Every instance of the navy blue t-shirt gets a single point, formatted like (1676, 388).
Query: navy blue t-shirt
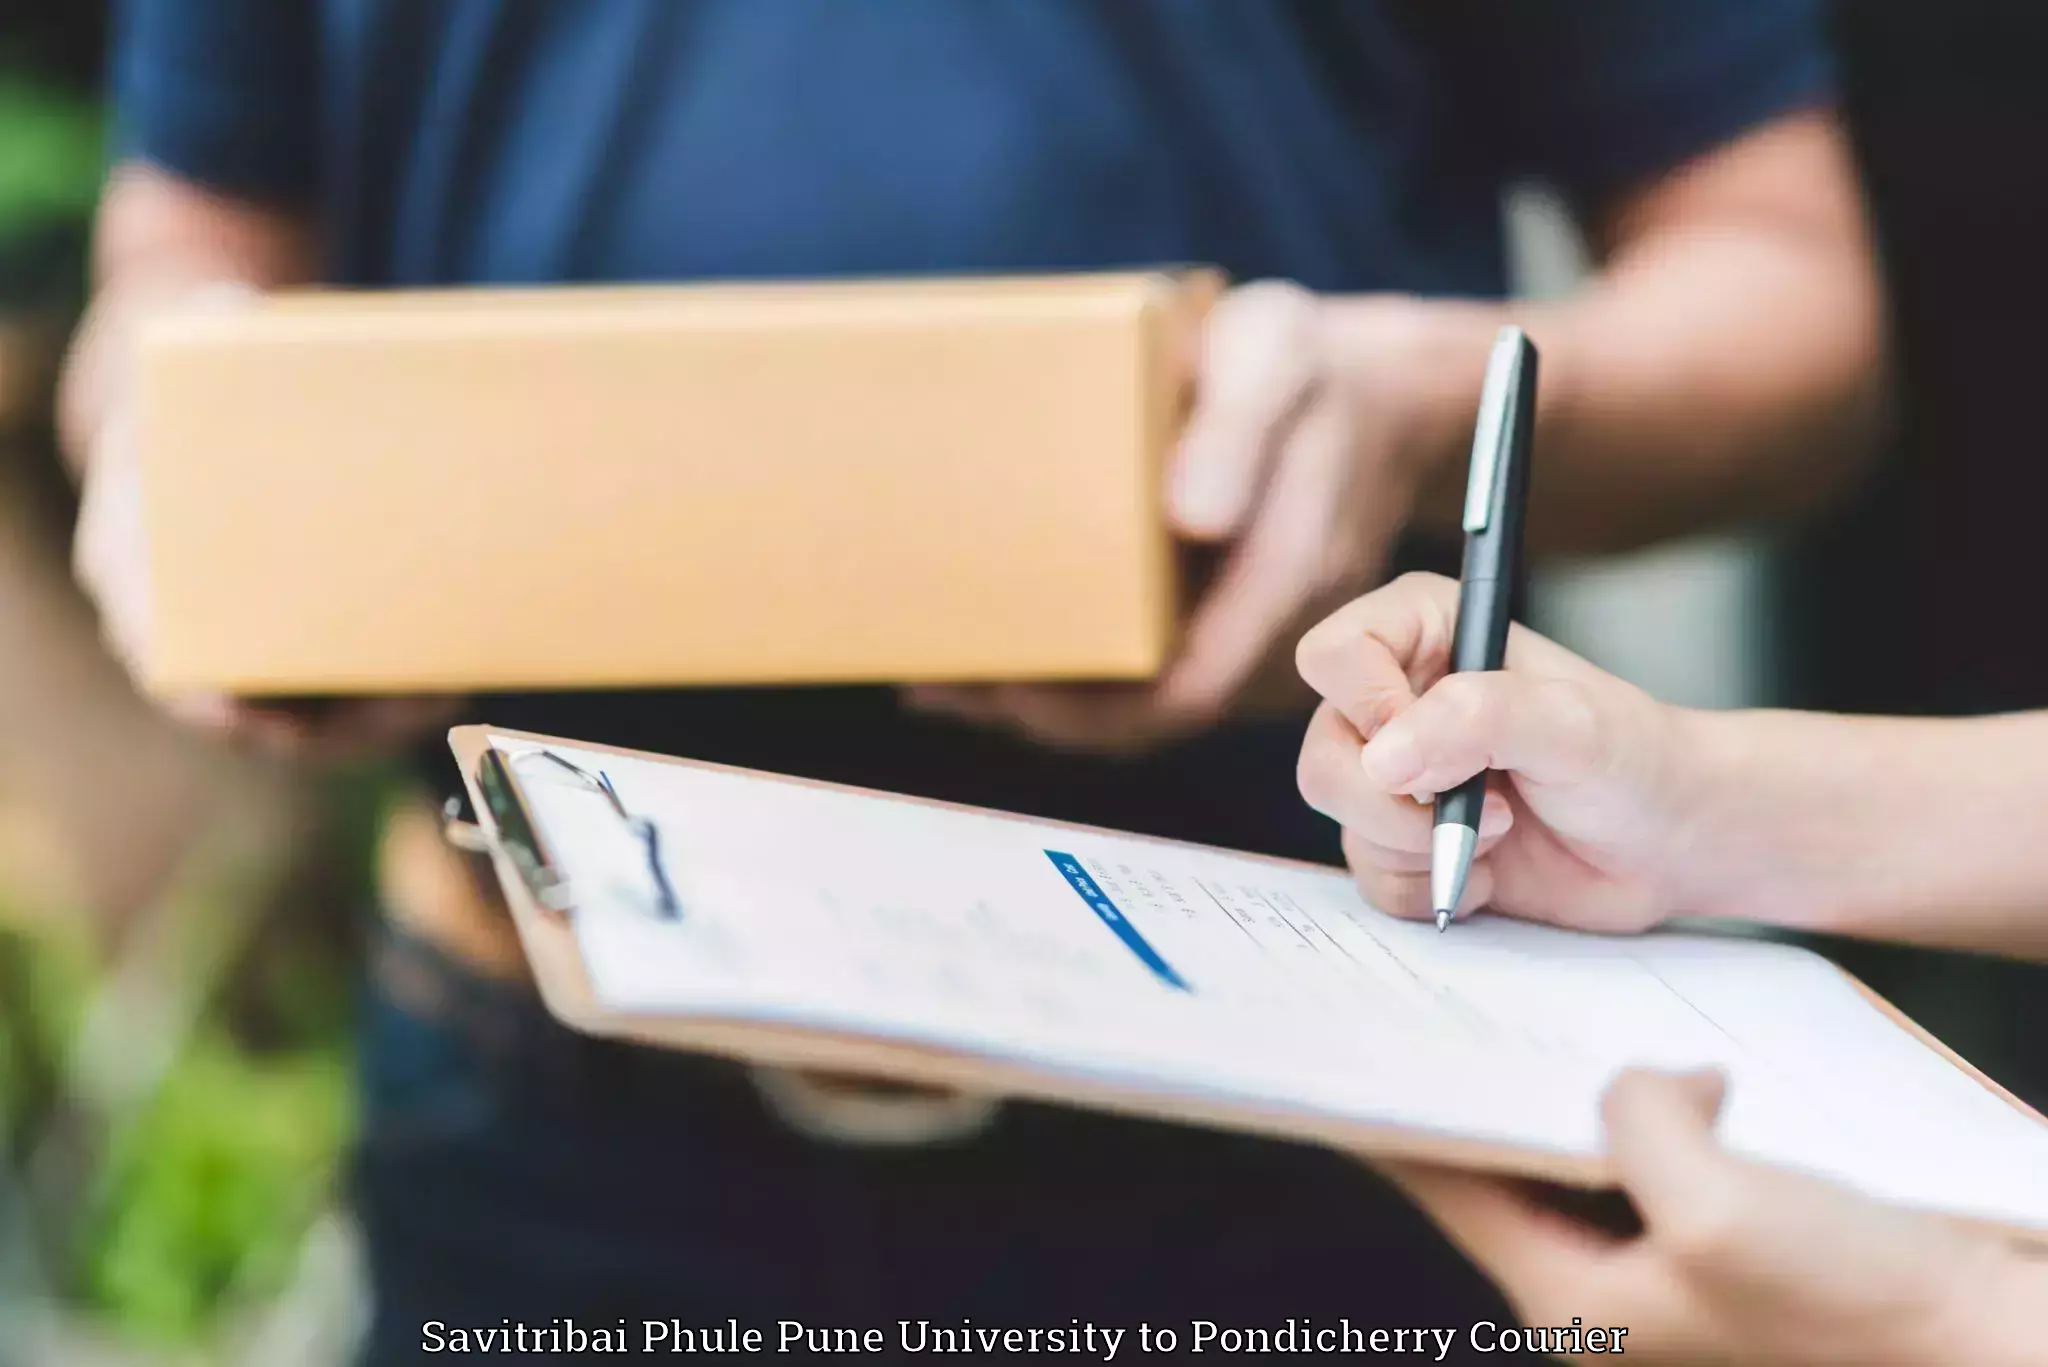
(1345, 144)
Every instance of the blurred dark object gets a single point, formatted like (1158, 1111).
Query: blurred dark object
(1901, 603)
(62, 40)
(42, 271)
(52, 67)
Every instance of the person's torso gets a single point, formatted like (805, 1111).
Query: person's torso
(532, 141)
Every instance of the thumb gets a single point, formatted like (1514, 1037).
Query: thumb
(1660, 1141)
(1549, 730)
(107, 546)
(1259, 361)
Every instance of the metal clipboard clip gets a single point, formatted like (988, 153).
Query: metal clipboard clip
(520, 843)
(832, 1109)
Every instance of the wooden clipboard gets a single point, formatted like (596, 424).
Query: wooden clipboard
(549, 942)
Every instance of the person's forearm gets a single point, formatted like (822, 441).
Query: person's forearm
(158, 240)
(1705, 380)
(1931, 832)
(1722, 366)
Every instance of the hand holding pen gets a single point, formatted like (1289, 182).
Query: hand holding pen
(1588, 822)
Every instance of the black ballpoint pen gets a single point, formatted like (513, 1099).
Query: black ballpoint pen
(1496, 502)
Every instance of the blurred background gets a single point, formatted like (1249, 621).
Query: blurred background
(176, 921)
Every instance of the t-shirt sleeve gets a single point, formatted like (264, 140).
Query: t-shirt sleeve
(221, 92)
(1597, 96)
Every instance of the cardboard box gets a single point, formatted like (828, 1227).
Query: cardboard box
(619, 486)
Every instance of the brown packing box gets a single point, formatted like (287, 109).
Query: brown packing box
(639, 485)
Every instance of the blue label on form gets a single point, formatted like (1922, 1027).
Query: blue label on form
(1098, 901)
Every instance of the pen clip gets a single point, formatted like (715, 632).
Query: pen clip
(1490, 433)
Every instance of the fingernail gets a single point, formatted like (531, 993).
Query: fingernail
(1391, 759)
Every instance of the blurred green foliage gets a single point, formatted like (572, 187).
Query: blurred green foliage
(52, 152)
(207, 1195)
(202, 1197)
(198, 1200)
(53, 155)
(44, 981)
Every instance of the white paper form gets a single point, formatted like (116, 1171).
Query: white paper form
(1183, 971)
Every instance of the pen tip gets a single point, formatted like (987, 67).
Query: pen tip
(1443, 921)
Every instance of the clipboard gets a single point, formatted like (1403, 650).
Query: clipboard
(542, 910)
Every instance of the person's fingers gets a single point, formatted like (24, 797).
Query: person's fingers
(315, 731)
(970, 703)
(1110, 718)
(1380, 650)
(1407, 895)
(938, 697)
(1361, 851)
(281, 733)
(359, 728)
(424, 710)
(1259, 362)
(1327, 770)
(1661, 1144)
(1332, 782)
(202, 711)
(108, 556)
(382, 721)
(1373, 655)
(1270, 576)
(107, 546)
(276, 731)
(1102, 719)
(1549, 730)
